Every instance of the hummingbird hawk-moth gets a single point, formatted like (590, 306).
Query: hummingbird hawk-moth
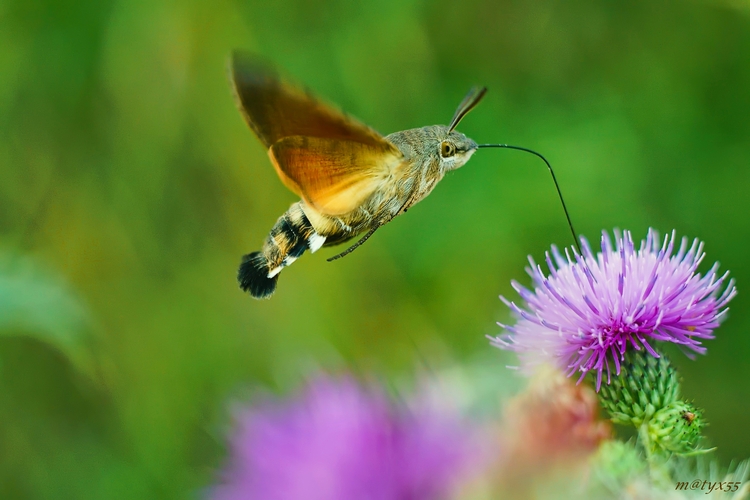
(351, 180)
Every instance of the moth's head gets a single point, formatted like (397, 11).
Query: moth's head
(454, 149)
(440, 144)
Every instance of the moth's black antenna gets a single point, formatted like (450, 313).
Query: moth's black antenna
(472, 99)
(557, 186)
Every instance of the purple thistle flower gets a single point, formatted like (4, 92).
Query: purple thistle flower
(583, 315)
(338, 442)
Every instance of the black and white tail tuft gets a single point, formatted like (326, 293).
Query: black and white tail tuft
(253, 276)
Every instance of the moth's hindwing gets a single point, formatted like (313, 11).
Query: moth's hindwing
(333, 176)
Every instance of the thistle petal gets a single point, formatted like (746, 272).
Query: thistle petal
(591, 306)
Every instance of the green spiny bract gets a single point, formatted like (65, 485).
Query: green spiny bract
(644, 385)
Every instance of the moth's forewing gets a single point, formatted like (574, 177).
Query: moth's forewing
(329, 159)
(275, 109)
(331, 175)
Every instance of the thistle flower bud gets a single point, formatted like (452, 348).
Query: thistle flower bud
(676, 427)
(643, 386)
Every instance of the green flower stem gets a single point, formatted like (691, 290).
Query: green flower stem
(657, 468)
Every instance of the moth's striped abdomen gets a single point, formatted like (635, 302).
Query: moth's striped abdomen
(289, 238)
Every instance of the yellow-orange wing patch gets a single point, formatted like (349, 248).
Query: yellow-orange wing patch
(332, 175)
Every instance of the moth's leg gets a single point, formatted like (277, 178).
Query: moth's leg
(372, 230)
(346, 227)
(357, 244)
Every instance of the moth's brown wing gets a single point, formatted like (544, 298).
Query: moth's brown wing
(275, 109)
(332, 175)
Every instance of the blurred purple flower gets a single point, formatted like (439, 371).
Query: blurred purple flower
(338, 442)
(584, 313)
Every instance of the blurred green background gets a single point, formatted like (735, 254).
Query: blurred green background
(130, 187)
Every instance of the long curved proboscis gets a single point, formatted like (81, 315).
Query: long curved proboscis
(472, 99)
(557, 186)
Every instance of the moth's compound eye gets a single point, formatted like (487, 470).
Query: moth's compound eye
(447, 149)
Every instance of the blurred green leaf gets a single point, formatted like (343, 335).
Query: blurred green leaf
(35, 303)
